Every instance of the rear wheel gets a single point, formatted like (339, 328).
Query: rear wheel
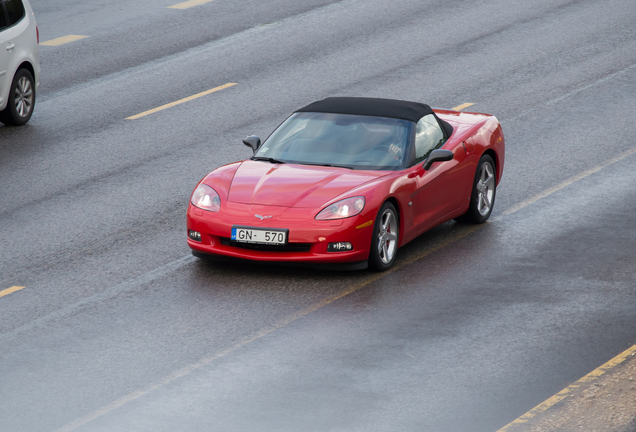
(21, 99)
(482, 198)
(384, 241)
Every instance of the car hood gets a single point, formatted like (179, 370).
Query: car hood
(290, 185)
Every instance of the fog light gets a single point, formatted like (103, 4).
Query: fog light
(339, 247)
(194, 235)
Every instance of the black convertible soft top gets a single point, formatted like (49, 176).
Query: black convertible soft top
(391, 108)
(377, 107)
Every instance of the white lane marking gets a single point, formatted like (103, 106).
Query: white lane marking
(573, 92)
(580, 176)
(104, 295)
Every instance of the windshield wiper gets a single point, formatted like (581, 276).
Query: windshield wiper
(267, 159)
(326, 165)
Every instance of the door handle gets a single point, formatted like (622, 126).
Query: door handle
(468, 146)
(10, 46)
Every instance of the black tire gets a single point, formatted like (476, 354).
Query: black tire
(482, 198)
(385, 237)
(21, 99)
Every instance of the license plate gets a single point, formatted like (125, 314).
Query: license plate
(259, 235)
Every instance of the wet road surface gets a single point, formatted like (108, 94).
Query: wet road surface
(119, 328)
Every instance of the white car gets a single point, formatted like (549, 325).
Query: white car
(19, 61)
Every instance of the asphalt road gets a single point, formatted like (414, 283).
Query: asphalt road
(120, 328)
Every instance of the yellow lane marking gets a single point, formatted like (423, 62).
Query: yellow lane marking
(10, 290)
(568, 182)
(566, 391)
(188, 4)
(180, 101)
(62, 40)
(457, 235)
(462, 106)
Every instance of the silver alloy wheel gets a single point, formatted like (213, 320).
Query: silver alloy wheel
(387, 236)
(485, 188)
(23, 97)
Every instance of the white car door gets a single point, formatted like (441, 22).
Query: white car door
(4, 57)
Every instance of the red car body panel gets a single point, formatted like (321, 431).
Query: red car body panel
(294, 194)
(290, 185)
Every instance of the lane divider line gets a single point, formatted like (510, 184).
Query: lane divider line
(569, 389)
(188, 4)
(459, 234)
(462, 106)
(62, 40)
(515, 208)
(572, 93)
(180, 101)
(85, 303)
(10, 290)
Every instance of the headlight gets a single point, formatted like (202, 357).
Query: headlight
(206, 198)
(342, 209)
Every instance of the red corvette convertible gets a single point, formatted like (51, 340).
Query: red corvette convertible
(344, 182)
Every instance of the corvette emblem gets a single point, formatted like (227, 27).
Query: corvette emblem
(262, 217)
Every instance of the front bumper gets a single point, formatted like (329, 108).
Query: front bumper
(307, 240)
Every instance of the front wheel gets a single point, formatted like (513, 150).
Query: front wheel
(482, 198)
(21, 99)
(384, 241)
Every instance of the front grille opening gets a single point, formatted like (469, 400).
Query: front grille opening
(289, 247)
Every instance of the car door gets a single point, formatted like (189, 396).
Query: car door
(4, 53)
(438, 188)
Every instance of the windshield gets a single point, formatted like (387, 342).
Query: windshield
(352, 141)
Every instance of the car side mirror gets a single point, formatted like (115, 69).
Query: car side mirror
(438, 156)
(252, 141)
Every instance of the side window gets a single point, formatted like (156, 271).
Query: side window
(428, 137)
(3, 20)
(15, 9)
